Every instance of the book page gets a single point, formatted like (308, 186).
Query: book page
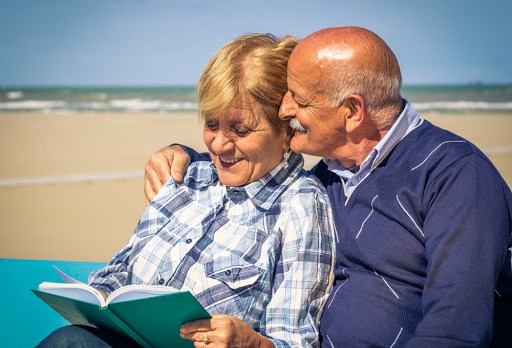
(80, 291)
(134, 292)
(66, 278)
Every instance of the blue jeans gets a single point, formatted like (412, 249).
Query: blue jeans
(80, 336)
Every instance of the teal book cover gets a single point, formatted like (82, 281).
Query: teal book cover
(151, 321)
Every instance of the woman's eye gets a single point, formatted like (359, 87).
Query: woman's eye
(211, 124)
(242, 131)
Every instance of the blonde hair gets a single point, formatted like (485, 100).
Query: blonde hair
(251, 66)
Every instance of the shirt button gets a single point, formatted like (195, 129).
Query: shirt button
(188, 241)
(355, 182)
(161, 281)
(228, 272)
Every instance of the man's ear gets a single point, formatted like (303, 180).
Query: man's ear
(354, 110)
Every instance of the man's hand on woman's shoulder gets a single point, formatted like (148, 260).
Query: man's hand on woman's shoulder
(169, 160)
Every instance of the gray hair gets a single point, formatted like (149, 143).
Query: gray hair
(380, 91)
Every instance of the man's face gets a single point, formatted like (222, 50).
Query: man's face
(319, 127)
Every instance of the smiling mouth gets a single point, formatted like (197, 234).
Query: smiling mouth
(228, 162)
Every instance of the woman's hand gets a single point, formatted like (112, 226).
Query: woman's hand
(222, 331)
(169, 160)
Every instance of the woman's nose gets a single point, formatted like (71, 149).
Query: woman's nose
(221, 143)
(287, 108)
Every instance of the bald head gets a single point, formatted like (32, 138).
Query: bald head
(352, 60)
(352, 46)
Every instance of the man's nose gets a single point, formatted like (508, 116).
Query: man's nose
(287, 108)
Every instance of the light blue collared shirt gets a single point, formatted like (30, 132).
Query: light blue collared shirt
(262, 253)
(406, 122)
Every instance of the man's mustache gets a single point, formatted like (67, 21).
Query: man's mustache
(295, 125)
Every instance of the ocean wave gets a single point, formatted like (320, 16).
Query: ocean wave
(123, 105)
(157, 105)
(150, 105)
(14, 95)
(31, 105)
(462, 105)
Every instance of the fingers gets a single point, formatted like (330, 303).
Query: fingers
(148, 191)
(179, 163)
(170, 159)
(221, 331)
(203, 339)
(198, 331)
(192, 327)
(157, 171)
(152, 182)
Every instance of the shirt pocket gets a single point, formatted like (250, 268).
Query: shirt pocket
(233, 283)
(175, 233)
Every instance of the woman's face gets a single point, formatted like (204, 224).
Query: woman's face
(243, 145)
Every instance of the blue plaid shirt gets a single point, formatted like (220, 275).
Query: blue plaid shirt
(262, 253)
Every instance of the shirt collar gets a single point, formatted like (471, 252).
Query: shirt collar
(262, 192)
(266, 190)
(405, 123)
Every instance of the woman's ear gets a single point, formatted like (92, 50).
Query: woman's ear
(354, 112)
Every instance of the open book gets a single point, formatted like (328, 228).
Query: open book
(149, 314)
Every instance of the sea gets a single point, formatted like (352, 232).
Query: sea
(432, 99)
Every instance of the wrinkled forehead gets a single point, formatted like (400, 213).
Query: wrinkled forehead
(240, 110)
(305, 75)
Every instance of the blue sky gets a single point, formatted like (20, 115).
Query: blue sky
(168, 42)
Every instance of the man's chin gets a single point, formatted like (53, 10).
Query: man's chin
(300, 145)
(297, 145)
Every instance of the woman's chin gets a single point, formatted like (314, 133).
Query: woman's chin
(231, 182)
(231, 177)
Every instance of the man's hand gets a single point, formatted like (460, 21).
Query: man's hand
(169, 160)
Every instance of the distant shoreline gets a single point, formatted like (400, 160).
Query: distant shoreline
(430, 98)
(4, 86)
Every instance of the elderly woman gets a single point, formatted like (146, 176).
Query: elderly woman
(250, 234)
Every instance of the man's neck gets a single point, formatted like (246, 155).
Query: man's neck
(358, 152)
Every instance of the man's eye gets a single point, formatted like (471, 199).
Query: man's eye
(241, 131)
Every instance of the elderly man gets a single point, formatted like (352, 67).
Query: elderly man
(423, 218)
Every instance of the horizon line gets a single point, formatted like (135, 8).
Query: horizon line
(193, 86)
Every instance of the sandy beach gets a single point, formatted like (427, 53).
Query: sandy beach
(71, 185)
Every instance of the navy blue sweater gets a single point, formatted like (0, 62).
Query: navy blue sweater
(420, 245)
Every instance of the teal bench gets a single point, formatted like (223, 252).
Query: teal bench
(24, 319)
